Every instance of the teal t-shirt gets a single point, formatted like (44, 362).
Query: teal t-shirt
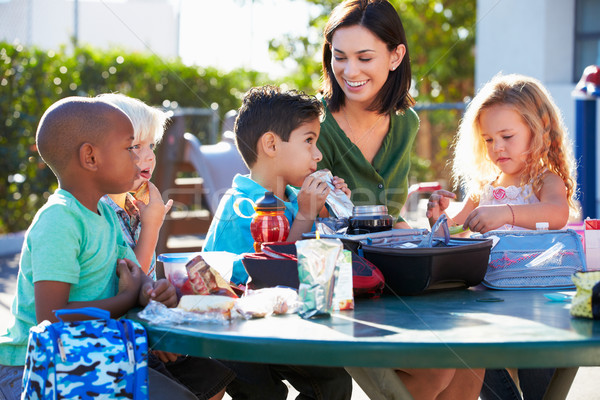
(66, 242)
(385, 181)
(230, 232)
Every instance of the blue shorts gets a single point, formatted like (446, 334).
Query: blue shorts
(11, 379)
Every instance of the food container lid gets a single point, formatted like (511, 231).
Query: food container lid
(175, 257)
(541, 226)
(369, 210)
(269, 203)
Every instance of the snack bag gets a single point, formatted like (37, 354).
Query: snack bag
(586, 302)
(206, 280)
(317, 270)
(343, 298)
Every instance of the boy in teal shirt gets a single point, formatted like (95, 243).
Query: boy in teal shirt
(74, 254)
(276, 134)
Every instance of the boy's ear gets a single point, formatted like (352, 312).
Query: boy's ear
(87, 157)
(268, 144)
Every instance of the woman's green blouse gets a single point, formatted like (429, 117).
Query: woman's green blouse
(385, 181)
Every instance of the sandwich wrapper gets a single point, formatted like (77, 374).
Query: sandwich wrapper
(254, 304)
(317, 273)
(338, 203)
(215, 301)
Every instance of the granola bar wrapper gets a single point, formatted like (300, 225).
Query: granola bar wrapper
(338, 203)
(317, 273)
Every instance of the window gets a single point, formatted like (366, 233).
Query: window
(587, 35)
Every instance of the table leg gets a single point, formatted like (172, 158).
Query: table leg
(380, 383)
(561, 382)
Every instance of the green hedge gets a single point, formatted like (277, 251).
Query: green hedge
(32, 79)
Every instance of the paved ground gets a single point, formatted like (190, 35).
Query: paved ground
(585, 387)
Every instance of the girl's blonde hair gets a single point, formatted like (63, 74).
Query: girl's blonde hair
(148, 122)
(549, 149)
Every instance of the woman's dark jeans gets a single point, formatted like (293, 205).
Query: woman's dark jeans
(498, 385)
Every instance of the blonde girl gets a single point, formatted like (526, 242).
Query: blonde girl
(513, 158)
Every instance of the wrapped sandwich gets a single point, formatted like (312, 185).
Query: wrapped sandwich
(215, 305)
(338, 203)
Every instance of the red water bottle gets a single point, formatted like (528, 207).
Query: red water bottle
(269, 223)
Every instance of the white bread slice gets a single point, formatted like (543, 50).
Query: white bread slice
(200, 303)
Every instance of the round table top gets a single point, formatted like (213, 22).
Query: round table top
(446, 329)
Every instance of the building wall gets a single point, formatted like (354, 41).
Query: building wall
(144, 25)
(533, 37)
(530, 37)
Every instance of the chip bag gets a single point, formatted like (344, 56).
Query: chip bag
(317, 271)
(586, 302)
(206, 280)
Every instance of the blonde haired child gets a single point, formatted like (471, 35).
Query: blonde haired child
(139, 221)
(513, 158)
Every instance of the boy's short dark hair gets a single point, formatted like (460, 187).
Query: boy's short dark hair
(270, 109)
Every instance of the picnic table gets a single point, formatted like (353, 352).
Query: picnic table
(470, 328)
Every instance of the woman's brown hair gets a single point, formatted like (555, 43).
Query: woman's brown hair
(381, 18)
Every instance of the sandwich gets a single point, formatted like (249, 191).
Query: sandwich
(143, 193)
(204, 304)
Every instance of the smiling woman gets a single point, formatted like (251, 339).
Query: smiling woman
(368, 133)
(369, 126)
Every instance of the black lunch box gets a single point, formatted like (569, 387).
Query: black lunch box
(449, 262)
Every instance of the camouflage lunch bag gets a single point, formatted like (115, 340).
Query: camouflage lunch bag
(99, 358)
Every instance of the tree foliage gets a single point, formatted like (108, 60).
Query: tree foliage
(441, 42)
(32, 79)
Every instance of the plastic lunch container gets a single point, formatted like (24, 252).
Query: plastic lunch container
(412, 271)
(175, 272)
(367, 219)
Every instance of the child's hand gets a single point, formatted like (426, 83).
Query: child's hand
(165, 356)
(311, 198)
(130, 276)
(438, 202)
(161, 290)
(341, 184)
(154, 212)
(487, 218)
